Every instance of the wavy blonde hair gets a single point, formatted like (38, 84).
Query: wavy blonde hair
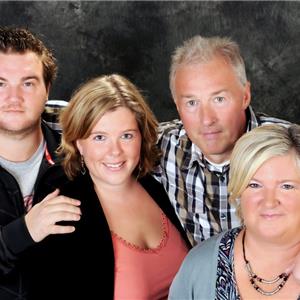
(89, 103)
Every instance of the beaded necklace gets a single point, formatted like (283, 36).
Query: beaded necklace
(282, 278)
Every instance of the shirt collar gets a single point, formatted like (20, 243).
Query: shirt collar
(252, 121)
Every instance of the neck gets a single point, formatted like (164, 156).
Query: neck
(116, 192)
(280, 254)
(20, 147)
(267, 286)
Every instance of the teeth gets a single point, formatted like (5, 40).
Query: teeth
(118, 165)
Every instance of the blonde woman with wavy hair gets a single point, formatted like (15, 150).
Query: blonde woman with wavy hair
(128, 232)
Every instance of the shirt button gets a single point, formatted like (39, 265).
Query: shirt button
(223, 216)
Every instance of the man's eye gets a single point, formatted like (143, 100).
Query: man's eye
(219, 99)
(28, 83)
(2, 84)
(192, 103)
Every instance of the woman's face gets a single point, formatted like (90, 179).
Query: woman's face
(270, 204)
(112, 151)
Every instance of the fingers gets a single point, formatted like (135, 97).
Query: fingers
(54, 198)
(61, 229)
(42, 219)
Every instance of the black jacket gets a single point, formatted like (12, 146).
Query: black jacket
(81, 265)
(15, 240)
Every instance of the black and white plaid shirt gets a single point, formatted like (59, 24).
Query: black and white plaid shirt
(196, 188)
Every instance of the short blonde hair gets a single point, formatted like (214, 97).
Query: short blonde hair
(256, 147)
(89, 103)
(200, 49)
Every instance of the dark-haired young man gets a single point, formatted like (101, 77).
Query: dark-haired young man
(27, 159)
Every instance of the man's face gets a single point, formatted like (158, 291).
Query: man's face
(211, 102)
(22, 92)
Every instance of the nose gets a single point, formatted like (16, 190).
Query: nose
(270, 198)
(14, 94)
(207, 115)
(115, 147)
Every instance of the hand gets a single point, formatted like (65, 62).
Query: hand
(42, 218)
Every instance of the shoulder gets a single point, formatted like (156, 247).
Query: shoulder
(203, 250)
(264, 119)
(51, 136)
(197, 274)
(154, 188)
(170, 128)
(173, 137)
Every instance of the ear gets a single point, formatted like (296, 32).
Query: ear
(79, 146)
(247, 95)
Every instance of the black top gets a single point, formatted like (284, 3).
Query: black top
(81, 265)
(15, 240)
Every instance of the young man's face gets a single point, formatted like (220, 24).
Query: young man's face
(22, 92)
(211, 102)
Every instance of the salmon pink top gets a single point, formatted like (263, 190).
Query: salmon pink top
(147, 273)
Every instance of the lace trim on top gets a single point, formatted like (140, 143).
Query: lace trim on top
(163, 241)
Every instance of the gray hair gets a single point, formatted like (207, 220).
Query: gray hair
(200, 49)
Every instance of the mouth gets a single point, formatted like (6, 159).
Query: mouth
(211, 134)
(270, 216)
(12, 109)
(114, 166)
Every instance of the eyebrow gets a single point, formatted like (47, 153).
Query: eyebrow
(103, 132)
(30, 77)
(189, 96)
(23, 78)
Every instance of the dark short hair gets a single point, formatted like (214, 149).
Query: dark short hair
(21, 40)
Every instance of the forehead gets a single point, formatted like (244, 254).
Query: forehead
(18, 63)
(281, 167)
(119, 118)
(216, 71)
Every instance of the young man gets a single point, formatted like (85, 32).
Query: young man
(27, 159)
(212, 95)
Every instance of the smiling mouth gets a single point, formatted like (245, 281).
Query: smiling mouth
(114, 166)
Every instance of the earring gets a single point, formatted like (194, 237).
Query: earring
(82, 170)
(139, 171)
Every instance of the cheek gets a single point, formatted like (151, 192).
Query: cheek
(135, 151)
(189, 120)
(248, 205)
(92, 153)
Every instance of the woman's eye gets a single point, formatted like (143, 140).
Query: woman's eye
(127, 136)
(99, 138)
(287, 186)
(253, 185)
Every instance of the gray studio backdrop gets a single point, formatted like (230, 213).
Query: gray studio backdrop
(136, 39)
